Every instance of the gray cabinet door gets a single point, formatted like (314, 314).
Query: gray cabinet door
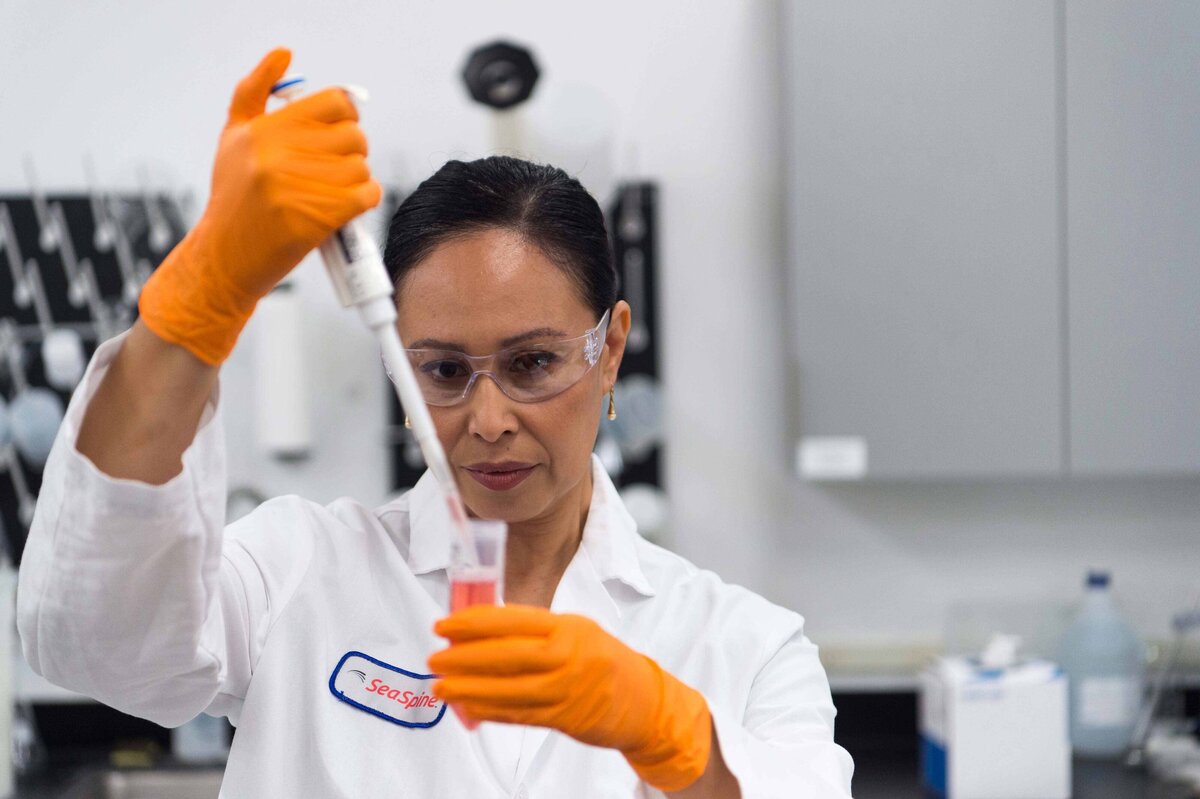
(1133, 198)
(922, 233)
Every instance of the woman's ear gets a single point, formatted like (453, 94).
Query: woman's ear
(614, 343)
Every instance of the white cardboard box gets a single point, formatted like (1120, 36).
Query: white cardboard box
(995, 733)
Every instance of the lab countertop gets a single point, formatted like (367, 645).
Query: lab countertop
(891, 775)
(72, 775)
(877, 776)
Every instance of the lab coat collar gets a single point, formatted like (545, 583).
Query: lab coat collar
(609, 534)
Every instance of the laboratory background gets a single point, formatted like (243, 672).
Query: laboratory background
(915, 347)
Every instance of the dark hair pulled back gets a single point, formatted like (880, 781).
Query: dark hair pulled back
(546, 206)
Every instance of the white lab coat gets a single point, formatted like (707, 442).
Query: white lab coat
(139, 596)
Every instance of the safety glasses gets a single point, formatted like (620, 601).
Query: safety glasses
(525, 373)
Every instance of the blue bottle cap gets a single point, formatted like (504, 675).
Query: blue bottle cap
(1098, 578)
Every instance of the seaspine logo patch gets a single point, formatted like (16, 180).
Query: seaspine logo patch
(394, 694)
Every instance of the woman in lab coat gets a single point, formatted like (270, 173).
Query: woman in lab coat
(614, 669)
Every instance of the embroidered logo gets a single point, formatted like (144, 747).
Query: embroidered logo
(394, 694)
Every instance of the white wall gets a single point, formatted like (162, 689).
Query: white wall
(694, 89)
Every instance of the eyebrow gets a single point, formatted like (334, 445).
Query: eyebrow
(541, 332)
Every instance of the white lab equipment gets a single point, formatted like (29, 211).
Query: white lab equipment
(283, 421)
(35, 415)
(1105, 661)
(53, 233)
(994, 726)
(639, 427)
(63, 359)
(361, 279)
(1167, 731)
(1000, 652)
(159, 235)
(103, 228)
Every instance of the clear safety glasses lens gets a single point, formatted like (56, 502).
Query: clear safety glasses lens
(525, 373)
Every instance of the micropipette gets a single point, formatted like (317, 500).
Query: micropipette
(361, 280)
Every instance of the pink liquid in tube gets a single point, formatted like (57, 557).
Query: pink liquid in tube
(472, 587)
(477, 576)
(467, 592)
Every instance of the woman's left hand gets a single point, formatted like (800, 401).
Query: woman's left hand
(526, 665)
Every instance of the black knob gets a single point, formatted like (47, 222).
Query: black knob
(500, 74)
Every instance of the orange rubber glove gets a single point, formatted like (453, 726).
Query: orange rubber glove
(282, 183)
(525, 665)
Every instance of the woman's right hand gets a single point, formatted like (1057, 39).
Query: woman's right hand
(282, 183)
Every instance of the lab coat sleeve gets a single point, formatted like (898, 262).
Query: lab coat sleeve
(783, 746)
(125, 594)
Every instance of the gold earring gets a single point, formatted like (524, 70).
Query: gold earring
(612, 404)
(407, 423)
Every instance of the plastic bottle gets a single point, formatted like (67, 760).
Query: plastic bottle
(1105, 662)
